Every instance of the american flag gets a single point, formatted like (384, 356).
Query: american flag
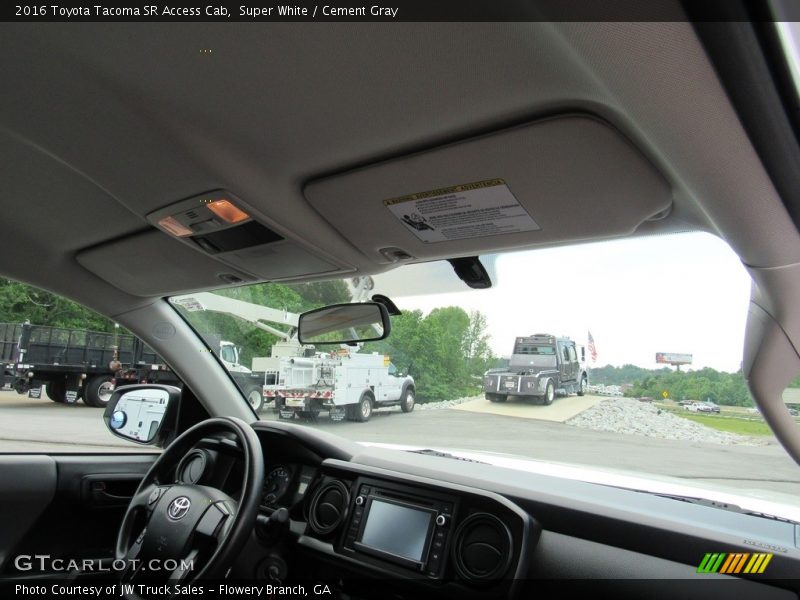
(592, 348)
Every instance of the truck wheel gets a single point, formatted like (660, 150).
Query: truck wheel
(582, 387)
(408, 401)
(495, 398)
(56, 390)
(549, 392)
(362, 411)
(255, 398)
(98, 391)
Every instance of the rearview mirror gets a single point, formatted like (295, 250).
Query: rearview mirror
(142, 413)
(344, 324)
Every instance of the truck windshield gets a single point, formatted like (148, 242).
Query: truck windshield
(227, 354)
(526, 349)
(549, 367)
(252, 329)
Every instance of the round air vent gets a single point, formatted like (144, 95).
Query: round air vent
(191, 468)
(482, 548)
(328, 507)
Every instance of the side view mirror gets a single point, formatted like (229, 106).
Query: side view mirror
(344, 324)
(145, 414)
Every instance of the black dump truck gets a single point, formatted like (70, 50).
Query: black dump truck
(76, 364)
(541, 366)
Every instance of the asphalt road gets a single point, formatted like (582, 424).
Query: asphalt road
(38, 425)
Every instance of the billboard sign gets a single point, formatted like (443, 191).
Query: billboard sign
(669, 358)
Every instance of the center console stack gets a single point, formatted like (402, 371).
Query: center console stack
(394, 523)
(413, 528)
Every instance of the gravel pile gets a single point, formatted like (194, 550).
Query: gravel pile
(445, 403)
(622, 415)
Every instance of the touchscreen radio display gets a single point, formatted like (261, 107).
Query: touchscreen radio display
(397, 529)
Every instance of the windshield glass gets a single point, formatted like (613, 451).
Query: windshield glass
(525, 349)
(623, 355)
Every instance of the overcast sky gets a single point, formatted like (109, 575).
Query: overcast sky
(684, 293)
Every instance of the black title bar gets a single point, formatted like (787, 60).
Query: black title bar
(265, 11)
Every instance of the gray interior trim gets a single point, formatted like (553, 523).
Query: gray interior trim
(180, 269)
(29, 485)
(770, 363)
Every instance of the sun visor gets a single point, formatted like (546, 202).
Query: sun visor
(563, 179)
(153, 264)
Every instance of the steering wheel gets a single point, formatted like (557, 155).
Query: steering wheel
(176, 533)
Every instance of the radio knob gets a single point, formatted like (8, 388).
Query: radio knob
(442, 520)
(360, 500)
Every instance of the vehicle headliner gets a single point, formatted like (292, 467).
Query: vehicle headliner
(110, 122)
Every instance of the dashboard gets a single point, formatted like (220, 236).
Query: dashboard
(335, 511)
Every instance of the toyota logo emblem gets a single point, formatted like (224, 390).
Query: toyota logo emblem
(178, 508)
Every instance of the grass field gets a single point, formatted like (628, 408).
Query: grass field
(731, 424)
(740, 425)
(733, 419)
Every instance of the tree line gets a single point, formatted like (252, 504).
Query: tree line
(626, 374)
(446, 351)
(20, 302)
(719, 387)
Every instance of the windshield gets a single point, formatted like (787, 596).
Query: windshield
(525, 349)
(624, 356)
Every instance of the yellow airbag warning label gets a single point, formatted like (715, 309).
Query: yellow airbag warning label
(471, 210)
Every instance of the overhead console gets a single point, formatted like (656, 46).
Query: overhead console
(558, 180)
(212, 239)
(458, 540)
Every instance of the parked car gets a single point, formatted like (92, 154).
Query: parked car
(703, 407)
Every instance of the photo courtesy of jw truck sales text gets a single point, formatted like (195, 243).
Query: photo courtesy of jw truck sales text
(129, 590)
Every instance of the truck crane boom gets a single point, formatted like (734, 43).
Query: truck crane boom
(247, 311)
